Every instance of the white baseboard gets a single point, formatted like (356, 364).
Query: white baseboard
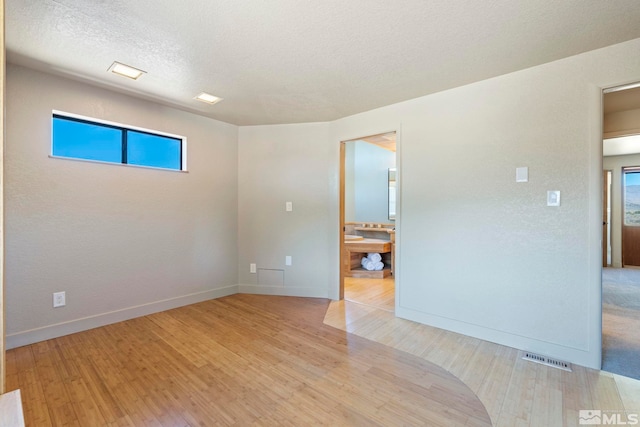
(31, 336)
(287, 291)
(573, 355)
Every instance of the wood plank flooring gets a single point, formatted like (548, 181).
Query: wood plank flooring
(378, 293)
(515, 392)
(236, 361)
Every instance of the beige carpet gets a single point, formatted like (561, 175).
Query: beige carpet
(621, 321)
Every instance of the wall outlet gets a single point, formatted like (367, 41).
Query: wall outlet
(59, 299)
(287, 260)
(252, 268)
(288, 206)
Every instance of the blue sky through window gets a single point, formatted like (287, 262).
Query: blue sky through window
(153, 150)
(83, 139)
(86, 141)
(632, 178)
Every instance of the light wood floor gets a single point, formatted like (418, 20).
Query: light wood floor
(515, 392)
(240, 360)
(378, 293)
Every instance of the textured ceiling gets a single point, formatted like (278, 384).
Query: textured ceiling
(287, 61)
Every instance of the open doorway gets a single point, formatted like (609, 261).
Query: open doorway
(621, 232)
(367, 219)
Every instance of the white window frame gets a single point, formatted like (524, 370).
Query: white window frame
(183, 139)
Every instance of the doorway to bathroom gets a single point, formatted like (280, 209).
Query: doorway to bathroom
(368, 220)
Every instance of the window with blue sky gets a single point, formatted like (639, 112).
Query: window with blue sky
(84, 139)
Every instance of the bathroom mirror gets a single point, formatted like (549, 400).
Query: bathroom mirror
(392, 194)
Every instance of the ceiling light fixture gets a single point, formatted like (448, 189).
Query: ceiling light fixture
(208, 98)
(126, 70)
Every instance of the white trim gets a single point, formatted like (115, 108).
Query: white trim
(182, 138)
(31, 336)
(578, 356)
(76, 159)
(287, 291)
(116, 124)
(621, 87)
(397, 267)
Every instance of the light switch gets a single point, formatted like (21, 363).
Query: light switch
(252, 268)
(522, 174)
(288, 206)
(553, 198)
(287, 260)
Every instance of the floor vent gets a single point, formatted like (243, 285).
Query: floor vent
(544, 360)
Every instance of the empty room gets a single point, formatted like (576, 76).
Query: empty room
(186, 240)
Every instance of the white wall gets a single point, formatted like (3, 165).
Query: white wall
(479, 253)
(369, 185)
(615, 164)
(279, 164)
(121, 241)
(483, 255)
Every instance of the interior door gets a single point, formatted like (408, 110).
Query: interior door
(631, 216)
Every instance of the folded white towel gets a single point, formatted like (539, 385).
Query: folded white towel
(368, 265)
(374, 257)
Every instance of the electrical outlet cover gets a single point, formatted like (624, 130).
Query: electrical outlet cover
(553, 198)
(59, 299)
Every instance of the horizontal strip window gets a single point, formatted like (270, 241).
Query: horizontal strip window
(83, 138)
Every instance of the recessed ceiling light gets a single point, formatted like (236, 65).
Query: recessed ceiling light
(126, 70)
(208, 98)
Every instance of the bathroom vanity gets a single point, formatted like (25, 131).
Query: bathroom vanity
(364, 238)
